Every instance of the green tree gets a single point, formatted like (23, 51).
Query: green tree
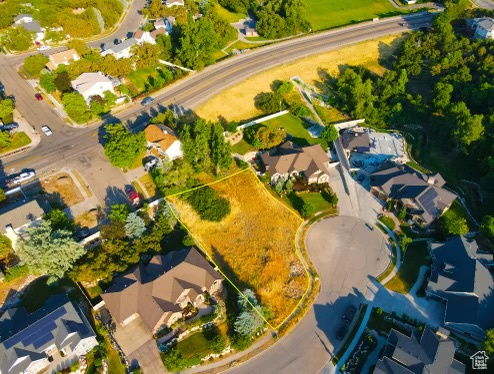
(174, 359)
(329, 134)
(155, 8)
(146, 55)
(284, 87)
(49, 251)
(165, 44)
(269, 102)
(468, 127)
(6, 108)
(307, 210)
(79, 45)
(5, 140)
(333, 200)
(76, 107)
(17, 38)
(487, 226)
(47, 82)
(59, 221)
(62, 82)
(264, 137)
(122, 147)
(279, 185)
(221, 154)
(34, 64)
(404, 241)
(119, 213)
(135, 226)
(5, 246)
(110, 99)
(453, 224)
(442, 95)
(2, 193)
(489, 342)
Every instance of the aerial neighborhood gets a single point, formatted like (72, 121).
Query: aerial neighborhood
(246, 186)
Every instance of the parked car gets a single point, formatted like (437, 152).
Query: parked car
(44, 48)
(133, 195)
(147, 100)
(46, 130)
(342, 331)
(38, 96)
(82, 233)
(9, 126)
(349, 314)
(150, 163)
(23, 177)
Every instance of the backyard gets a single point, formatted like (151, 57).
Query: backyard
(292, 125)
(142, 78)
(252, 248)
(18, 140)
(332, 13)
(416, 256)
(318, 200)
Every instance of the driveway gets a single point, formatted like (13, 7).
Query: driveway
(345, 252)
(139, 347)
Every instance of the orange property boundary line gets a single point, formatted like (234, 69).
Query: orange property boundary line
(220, 271)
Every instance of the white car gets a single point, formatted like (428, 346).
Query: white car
(23, 177)
(46, 130)
(44, 48)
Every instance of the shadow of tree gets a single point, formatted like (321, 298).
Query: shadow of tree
(114, 195)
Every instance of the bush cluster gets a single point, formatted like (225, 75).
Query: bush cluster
(208, 204)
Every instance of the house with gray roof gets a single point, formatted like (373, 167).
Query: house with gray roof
(462, 278)
(17, 218)
(292, 161)
(49, 339)
(422, 195)
(433, 352)
(158, 292)
(122, 50)
(30, 24)
(483, 27)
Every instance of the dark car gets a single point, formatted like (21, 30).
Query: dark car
(147, 100)
(349, 313)
(38, 97)
(9, 126)
(342, 332)
(82, 233)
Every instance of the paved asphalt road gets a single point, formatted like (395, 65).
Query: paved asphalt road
(344, 251)
(82, 145)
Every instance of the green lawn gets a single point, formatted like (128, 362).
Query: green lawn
(140, 77)
(226, 14)
(458, 210)
(20, 139)
(332, 13)
(388, 222)
(195, 345)
(416, 256)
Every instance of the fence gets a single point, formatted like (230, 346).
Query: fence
(262, 119)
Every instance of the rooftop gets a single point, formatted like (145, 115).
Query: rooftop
(23, 213)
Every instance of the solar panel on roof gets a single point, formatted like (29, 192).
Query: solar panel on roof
(46, 338)
(427, 200)
(35, 335)
(43, 324)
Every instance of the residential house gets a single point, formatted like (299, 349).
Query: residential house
(47, 340)
(159, 24)
(252, 32)
(30, 24)
(433, 353)
(170, 3)
(62, 58)
(92, 84)
(122, 50)
(154, 34)
(355, 140)
(142, 37)
(483, 27)
(158, 292)
(462, 278)
(290, 161)
(162, 141)
(17, 218)
(423, 196)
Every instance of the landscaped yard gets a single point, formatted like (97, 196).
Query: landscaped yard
(332, 13)
(19, 139)
(148, 184)
(316, 199)
(254, 244)
(195, 345)
(140, 77)
(416, 255)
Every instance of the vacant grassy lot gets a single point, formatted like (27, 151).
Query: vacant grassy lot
(62, 189)
(226, 14)
(332, 13)
(140, 77)
(254, 244)
(416, 256)
(313, 70)
(19, 139)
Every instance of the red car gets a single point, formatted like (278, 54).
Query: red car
(38, 97)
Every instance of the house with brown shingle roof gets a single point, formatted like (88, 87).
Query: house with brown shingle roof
(62, 58)
(159, 291)
(310, 162)
(162, 141)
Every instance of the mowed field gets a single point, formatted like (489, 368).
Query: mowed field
(237, 103)
(326, 14)
(254, 246)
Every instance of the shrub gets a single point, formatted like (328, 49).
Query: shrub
(307, 210)
(16, 272)
(208, 204)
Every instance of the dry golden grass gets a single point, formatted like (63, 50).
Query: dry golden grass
(240, 98)
(88, 219)
(62, 188)
(254, 245)
(83, 183)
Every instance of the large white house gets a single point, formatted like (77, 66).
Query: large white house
(92, 84)
(162, 142)
(122, 50)
(143, 37)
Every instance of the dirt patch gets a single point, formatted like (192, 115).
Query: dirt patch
(83, 183)
(88, 219)
(61, 190)
(312, 70)
(10, 288)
